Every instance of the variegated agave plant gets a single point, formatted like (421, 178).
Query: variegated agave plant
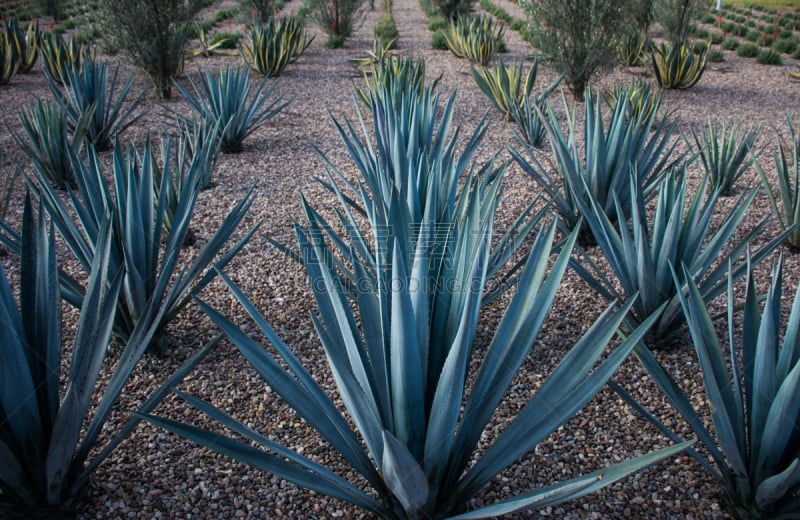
(400, 339)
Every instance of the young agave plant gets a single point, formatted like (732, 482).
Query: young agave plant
(725, 156)
(51, 419)
(225, 101)
(152, 276)
(275, 45)
(9, 64)
(601, 170)
(49, 141)
(401, 358)
(641, 253)
(24, 42)
(474, 37)
(60, 55)
(88, 89)
(753, 391)
(788, 210)
(393, 72)
(678, 66)
(505, 86)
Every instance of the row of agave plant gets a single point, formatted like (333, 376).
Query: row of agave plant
(421, 216)
(478, 38)
(271, 47)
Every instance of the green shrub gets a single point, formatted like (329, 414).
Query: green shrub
(517, 24)
(226, 40)
(578, 37)
(386, 29)
(731, 44)
(52, 8)
(741, 31)
(716, 38)
(753, 36)
(716, 56)
(784, 46)
(631, 48)
(765, 40)
(751, 383)
(701, 34)
(224, 101)
(60, 55)
(506, 87)
(748, 50)
(401, 357)
(451, 10)
(439, 40)
(642, 100)
(153, 34)
(24, 43)
(729, 27)
(436, 23)
(769, 57)
(8, 59)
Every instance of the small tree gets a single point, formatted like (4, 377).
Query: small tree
(675, 17)
(577, 36)
(52, 8)
(262, 9)
(336, 18)
(642, 11)
(153, 34)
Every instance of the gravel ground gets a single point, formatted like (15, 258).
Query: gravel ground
(154, 474)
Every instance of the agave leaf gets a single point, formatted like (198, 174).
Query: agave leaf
(574, 488)
(403, 475)
(91, 341)
(302, 393)
(267, 462)
(774, 488)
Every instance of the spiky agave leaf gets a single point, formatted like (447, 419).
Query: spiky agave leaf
(788, 172)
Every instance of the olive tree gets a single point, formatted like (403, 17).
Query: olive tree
(578, 36)
(153, 35)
